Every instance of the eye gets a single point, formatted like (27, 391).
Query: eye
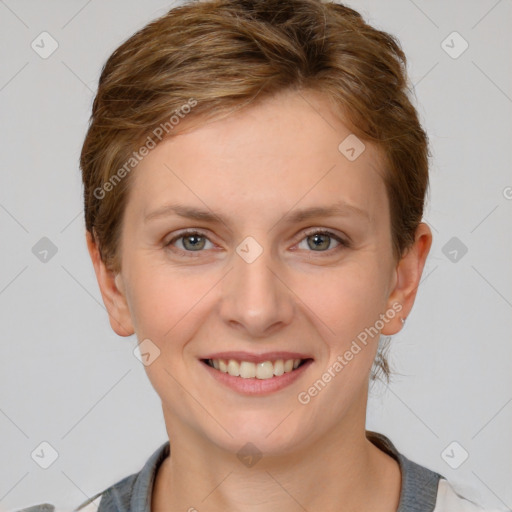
(321, 240)
(195, 241)
(191, 241)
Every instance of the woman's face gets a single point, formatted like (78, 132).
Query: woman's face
(253, 283)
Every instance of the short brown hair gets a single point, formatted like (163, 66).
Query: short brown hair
(220, 55)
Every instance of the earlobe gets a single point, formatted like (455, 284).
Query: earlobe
(112, 292)
(408, 276)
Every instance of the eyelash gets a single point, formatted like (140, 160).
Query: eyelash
(342, 243)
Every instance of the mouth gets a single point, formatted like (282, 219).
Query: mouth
(263, 370)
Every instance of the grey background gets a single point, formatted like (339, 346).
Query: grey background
(67, 379)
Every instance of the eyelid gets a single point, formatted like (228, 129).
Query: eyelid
(344, 242)
(324, 231)
(183, 234)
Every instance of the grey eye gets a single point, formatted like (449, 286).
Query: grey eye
(321, 241)
(193, 242)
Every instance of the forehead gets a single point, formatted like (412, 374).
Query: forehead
(289, 150)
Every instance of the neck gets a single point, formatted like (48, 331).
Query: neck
(342, 471)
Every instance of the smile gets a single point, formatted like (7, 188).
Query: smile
(249, 370)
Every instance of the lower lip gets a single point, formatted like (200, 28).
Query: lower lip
(256, 386)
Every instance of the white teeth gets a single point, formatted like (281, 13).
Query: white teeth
(264, 370)
(249, 370)
(279, 367)
(233, 368)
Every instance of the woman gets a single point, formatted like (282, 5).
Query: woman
(254, 180)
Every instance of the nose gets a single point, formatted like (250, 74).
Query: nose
(255, 298)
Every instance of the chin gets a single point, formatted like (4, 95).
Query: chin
(269, 434)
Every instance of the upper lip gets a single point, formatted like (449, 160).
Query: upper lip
(257, 358)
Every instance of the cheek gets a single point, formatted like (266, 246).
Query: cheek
(167, 302)
(345, 299)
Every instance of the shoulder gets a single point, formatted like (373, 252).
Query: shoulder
(116, 497)
(448, 500)
(125, 495)
(425, 490)
(42, 507)
(91, 505)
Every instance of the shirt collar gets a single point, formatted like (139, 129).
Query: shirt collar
(418, 491)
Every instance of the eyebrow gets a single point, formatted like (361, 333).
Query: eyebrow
(339, 209)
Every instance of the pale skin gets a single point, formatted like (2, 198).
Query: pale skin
(253, 168)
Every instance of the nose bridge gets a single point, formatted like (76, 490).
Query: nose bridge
(254, 297)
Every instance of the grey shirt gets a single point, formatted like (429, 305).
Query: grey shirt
(133, 493)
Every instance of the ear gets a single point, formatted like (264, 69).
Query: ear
(111, 291)
(408, 275)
